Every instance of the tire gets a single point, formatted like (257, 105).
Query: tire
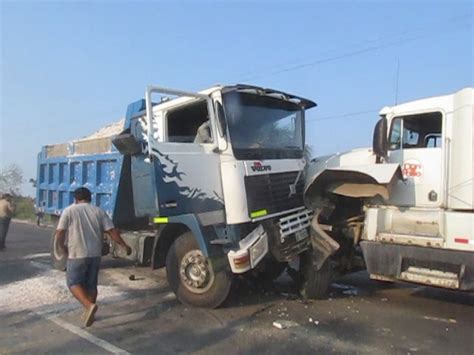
(191, 276)
(315, 283)
(58, 257)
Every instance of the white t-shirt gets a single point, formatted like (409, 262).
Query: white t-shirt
(85, 225)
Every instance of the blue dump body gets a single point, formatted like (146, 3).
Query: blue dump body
(94, 164)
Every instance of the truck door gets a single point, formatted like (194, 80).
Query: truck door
(415, 142)
(187, 170)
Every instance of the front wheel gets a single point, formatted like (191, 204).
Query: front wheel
(315, 283)
(191, 276)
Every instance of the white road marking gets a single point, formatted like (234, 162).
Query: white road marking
(41, 266)
(52, 312)
(444, 320)
(87, 336)
(35, 256)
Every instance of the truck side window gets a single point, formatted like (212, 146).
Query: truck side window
(395, 134)
(189, 124)
(416, 131)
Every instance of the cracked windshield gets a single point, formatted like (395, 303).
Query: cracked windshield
(262, 127)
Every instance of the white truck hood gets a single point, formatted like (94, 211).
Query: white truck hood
(354, 173)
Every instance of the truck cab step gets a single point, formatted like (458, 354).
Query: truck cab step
(430, 277)
(406, 239)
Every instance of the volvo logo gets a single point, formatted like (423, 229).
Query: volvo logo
(258, 166)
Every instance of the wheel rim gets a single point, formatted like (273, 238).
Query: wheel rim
(57, 251)
(196, 274)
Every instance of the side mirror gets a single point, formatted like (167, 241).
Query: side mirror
(380, 139)
(127, 144)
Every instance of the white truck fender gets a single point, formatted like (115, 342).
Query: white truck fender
(352, 181)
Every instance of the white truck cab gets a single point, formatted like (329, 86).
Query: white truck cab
(408, 203)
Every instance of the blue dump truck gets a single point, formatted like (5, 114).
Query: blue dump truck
(207, 184)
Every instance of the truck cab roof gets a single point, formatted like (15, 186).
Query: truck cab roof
(303, 102)
(444, 103)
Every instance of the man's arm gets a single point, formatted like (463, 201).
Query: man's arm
(60, 236)
(114, 234)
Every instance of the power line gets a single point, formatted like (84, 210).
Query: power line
(359, 51)
(376, 40)
(344, 115)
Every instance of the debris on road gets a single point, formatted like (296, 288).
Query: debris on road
(283, 324)
(351, 292)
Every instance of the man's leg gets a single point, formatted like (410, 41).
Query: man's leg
(76, 274)
(92, 295)
(4, 224)
(81, 294)
(92, 277)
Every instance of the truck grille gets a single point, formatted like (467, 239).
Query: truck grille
(295, 222)
(272, 192)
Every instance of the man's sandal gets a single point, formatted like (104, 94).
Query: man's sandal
(89, 316)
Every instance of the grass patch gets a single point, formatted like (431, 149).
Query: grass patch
(25, 208)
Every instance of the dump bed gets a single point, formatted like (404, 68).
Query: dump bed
(92, 162)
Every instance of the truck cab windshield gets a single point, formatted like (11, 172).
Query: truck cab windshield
(264, 127)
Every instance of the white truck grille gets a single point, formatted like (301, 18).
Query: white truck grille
(295, 222)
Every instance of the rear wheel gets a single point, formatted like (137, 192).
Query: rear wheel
(315, 283)
(191, 275)
(58, 257)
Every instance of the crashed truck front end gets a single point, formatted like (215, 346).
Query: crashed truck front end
(403, 209)
(221, 173)
(337, 187)
(262, 176)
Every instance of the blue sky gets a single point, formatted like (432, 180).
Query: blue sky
(68, 68)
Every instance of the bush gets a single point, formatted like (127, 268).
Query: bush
(25, 208)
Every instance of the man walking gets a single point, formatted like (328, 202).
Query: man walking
(6, 211)
(85, 225)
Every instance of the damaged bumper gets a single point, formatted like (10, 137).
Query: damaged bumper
(252, 249)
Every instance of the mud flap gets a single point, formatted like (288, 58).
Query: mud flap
(323, 245)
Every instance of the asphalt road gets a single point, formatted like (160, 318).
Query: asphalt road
(37, 314)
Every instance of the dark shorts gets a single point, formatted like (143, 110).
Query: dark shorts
(84, 272)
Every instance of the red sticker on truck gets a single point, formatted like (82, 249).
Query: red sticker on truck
(258, 166)
(412, 168)
(464, 240)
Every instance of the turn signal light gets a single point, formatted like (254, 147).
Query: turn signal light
(242, 262)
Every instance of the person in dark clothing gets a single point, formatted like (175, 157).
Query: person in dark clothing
(7, 208)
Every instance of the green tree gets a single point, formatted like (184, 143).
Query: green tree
(11, 178)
